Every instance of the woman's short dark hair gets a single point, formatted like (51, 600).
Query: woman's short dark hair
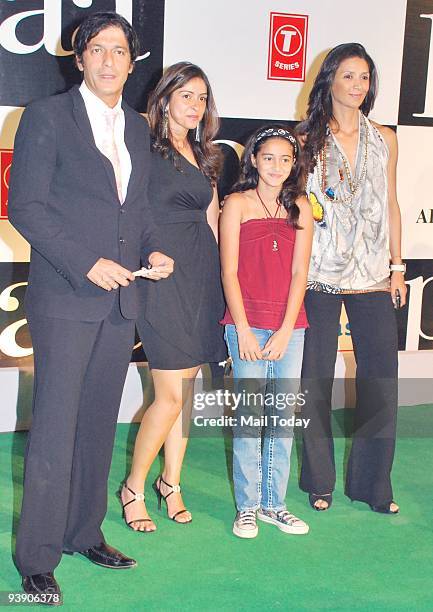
(319, 112)
(292, 187)
(208, 155)
(97, 22)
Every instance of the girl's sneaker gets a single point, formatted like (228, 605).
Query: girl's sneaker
(245, 525)
(284, 520)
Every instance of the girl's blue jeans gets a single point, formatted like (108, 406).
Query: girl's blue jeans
(261, 451)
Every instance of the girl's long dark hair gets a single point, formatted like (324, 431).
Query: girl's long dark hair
(292, 187)
(207, 154)
(315, 127)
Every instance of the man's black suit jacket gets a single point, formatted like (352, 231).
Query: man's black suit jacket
(63, 200)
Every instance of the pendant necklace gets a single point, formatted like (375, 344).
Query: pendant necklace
(268, 215)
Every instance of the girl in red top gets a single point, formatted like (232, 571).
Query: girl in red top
(265, 238)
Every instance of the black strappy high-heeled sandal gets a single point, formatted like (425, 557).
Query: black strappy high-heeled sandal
(313, 498)
(174, 489)
(137, 497)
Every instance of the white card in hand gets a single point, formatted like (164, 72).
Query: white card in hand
(143, 272)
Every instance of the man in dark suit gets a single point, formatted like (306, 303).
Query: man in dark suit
(78, 195)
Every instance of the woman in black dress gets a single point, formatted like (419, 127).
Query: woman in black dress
(179, 324)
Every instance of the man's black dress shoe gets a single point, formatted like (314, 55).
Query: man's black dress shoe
(43, 588)
(107, 556)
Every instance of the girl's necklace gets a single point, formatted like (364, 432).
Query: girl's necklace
(268, 215)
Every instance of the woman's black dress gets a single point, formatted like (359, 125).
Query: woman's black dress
(179, 322)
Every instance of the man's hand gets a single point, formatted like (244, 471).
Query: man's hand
(162, 266)
(109, 275)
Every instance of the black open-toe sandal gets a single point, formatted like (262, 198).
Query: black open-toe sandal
(313, 498)
(385, 508)
(137, 497)
(174, 489)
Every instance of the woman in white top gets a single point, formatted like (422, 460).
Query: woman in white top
(356, 261)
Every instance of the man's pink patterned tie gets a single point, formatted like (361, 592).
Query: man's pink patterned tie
(109, 149)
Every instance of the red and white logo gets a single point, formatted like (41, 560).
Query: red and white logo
(287, 47)
(5, 167)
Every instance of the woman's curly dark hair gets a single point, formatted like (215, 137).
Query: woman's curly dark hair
(314, 128)
(208, 155)
(292, 187)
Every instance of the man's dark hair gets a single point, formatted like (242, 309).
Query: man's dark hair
(97, 22)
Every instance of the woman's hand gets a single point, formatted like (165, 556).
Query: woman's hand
(249, 348)
(397, 283)
(276, 346)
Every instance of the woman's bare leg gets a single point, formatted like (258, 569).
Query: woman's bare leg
(174, 453)
(156, 424)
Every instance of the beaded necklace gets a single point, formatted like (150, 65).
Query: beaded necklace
(354, 185)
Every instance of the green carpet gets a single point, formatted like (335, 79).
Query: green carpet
(352, 559)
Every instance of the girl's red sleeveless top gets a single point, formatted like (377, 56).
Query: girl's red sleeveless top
(265, 272)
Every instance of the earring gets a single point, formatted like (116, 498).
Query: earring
(165, 124)
(197, 133)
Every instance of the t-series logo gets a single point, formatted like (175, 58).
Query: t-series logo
(287, 47)
(416, 92)
(52, 28)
